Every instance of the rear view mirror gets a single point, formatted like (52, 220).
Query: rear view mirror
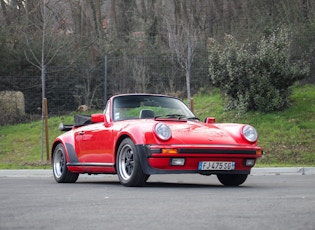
(210, 120)
(97, 117)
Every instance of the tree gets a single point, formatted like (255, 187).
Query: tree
(173, 34)
(255, 76)
(182, 35)
(44, 37)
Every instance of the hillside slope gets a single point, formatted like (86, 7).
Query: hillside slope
(287, 137)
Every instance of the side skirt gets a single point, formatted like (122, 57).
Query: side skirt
(91, 164)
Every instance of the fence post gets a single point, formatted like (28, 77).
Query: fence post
(192, 104)
(105, 80)
(48, 158)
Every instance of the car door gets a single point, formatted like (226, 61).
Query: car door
(93, 144)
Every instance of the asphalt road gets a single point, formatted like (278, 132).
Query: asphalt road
(166, 202)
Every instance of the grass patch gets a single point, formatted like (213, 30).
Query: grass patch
(21, 144)
(287, 137)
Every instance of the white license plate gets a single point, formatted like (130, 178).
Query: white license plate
(216, 165)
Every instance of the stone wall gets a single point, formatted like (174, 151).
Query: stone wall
(12, 106)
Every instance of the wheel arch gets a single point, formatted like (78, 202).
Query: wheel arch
(129, 174)
(54, 145)
(118, 142)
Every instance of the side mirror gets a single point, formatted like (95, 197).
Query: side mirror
(210, 120)
(97, 117)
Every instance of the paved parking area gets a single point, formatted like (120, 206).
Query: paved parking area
(254, 172)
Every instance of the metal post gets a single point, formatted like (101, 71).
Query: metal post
(43, 108)
(105, 80)
(46, 128)
(192, 104)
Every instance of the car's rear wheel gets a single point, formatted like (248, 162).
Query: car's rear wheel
(128, 165)
(60, 169)
(232, 179)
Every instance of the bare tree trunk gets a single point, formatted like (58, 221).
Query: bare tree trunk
(75, 11)
(183, 39)
(188, 67)
(33, 12)
(96, 9)
(4, 11)
(305, 10)
(244, 10)
(114, 15)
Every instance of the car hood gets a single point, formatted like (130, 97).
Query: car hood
(187, 132)
(201, 133)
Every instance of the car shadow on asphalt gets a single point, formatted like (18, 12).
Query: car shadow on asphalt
(189, 185)
(162, 184)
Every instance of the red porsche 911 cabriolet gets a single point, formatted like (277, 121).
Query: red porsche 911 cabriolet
(143, 134)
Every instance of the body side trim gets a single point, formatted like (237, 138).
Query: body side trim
(91, 164)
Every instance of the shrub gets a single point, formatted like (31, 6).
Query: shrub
(255, 76)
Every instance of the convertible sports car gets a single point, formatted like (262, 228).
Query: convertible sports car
(143, 134)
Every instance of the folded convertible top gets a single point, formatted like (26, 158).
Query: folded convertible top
(81, 120)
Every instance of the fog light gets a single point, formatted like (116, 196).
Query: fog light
(250, 162)
(177, 161)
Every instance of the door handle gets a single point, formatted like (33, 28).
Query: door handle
(81, 132)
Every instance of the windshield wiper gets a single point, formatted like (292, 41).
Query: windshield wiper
(177, 116)
(193, 118)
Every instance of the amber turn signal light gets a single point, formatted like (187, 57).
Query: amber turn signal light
(169, 151)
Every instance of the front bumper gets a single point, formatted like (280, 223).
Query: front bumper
(154, 162)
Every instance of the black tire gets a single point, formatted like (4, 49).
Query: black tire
(60, 169)
(232, 179)
(128, 166)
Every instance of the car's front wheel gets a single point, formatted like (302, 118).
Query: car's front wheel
(232, 179)
(128, 165)
(60, 170)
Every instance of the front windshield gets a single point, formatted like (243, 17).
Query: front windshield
(148, 106)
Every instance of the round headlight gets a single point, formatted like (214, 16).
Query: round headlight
(163, 131)
(250, 133)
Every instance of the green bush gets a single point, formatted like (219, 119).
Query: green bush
(255, 76)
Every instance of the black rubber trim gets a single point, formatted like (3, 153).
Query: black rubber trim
(72, 154)
(208, 151)
(216, 151)
(92, 164)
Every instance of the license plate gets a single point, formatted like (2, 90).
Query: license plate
(216, 165)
